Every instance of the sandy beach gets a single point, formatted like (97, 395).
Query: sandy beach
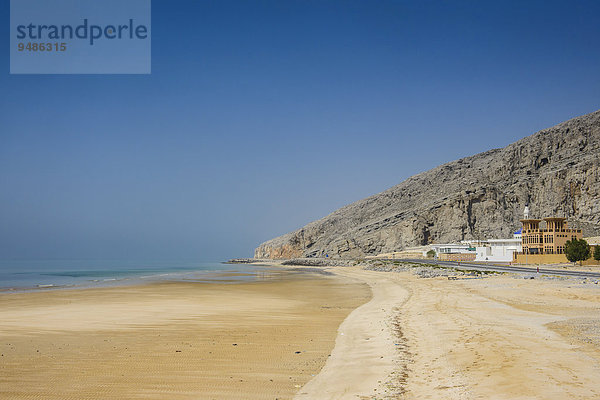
(260, 340)
(360, 334)
(501, 337)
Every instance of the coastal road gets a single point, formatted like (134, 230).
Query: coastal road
(503, 268)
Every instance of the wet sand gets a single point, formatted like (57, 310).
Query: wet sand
(260, 340)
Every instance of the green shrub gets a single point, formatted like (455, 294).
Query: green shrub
(577, 250)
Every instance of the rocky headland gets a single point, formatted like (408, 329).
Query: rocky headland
(556, 171)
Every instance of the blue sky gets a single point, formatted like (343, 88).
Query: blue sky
(261, 116)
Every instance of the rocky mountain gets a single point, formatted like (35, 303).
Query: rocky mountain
(556, 170)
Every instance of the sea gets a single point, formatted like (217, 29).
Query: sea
(29, 275)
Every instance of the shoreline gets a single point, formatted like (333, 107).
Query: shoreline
(100, 273)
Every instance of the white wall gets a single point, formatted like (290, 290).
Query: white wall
(498, 251)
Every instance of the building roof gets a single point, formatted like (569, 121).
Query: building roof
(449, 245)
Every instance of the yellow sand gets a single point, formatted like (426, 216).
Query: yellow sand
(493, 338)
(172, 340)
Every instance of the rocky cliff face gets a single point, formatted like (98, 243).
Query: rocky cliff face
(557, 170)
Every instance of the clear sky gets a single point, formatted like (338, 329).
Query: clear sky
(261, 116)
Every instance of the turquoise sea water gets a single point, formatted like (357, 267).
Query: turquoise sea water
(23, 275)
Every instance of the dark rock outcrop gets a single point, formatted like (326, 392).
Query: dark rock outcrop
(556, 170)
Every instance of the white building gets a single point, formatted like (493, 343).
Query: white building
(498, 250)
(491, 250)
(452, 248)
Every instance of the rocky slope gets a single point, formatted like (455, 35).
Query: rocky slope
(557, 170)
